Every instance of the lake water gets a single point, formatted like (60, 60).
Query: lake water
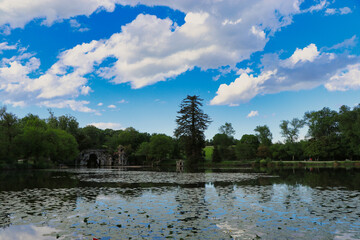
(213, 204)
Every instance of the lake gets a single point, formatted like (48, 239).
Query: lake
(152, 204)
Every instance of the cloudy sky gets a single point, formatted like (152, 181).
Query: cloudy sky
(122, 63)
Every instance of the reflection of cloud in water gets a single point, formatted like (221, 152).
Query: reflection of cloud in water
(305, 193)
(201, 208)
(280, 192)
(26, 232)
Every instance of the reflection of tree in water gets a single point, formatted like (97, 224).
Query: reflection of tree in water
(320, 177)
(192, 208)
(225, 192)
(29, 179)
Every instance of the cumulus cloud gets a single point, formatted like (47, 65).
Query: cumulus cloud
(50, 89)
(345, 79)
(150, 49)
(105, 125)
(305, 69)
(253, 114)
(100, 104)
(16, 14)
(241, 90)
(308, 53)
(112, 106)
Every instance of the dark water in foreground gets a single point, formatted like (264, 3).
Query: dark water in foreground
(214, 204)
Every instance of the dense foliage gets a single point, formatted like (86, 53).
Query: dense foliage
(53, 141)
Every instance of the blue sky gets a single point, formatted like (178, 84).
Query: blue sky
(126, 63)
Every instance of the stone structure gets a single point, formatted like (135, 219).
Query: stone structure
(120, 158)
(101, 157)
(95, 158)
(180, 166)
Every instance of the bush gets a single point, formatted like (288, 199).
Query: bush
(263, 162)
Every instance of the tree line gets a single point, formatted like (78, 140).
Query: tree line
(55, 140)
(331, 135)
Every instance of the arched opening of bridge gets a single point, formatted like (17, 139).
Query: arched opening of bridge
(93, 161)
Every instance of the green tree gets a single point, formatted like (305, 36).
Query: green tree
(144, 151)
(91, 137)
(324, 132)
(9, 128)
(227, 129)
(263, 151)
(290, 129)
(216, 157)
(62, 146)
(264, 135)
(322, 123)
(349, 127)
(161, 146)
(191, 124)
(278, 151)
(32, 141)
(223, 140)
(224, 143)
(247, 147)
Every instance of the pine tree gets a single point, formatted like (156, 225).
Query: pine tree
(192, 122)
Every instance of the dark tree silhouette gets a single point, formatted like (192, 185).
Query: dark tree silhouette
(192, 122)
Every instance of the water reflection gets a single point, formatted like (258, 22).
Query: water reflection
(28, 232)
(107, 204)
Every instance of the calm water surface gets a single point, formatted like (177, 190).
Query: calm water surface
(213, 204)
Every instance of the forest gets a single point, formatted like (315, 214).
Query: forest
(54, 141)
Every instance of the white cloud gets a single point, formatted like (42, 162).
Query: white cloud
(15, 103)
(105, 125)
(17, 14)
(345, 10)
(6, 46)
(112, 106)
(253, 114)
(78, 106)
(149, 49)
(347, 43)
(85, 90)
(317, 7)
(345, 79)
(241, 90)
(331, 11)
(341, 11)
(308, 53)
(76, 25)
(305, 69)
(100, 104)
(50, 90)
(122, 101)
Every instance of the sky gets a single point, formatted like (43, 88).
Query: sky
(129, 63)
